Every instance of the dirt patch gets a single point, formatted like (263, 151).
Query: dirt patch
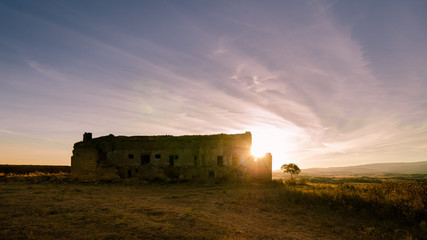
(174, 211)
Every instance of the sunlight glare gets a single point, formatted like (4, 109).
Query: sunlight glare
(278, 142)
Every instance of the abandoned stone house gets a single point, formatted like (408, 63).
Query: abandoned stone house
(161, 157)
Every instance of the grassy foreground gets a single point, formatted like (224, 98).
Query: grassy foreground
(52, 207)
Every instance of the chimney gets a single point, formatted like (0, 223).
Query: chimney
(87, 136)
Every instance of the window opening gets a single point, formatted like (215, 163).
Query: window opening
(131, 156)
(157, 156)
(219, 161)
(171, 160)
(145, 159)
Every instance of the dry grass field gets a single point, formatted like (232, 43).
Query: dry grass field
(52, 207)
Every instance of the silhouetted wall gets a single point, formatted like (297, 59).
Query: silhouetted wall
(184, 157)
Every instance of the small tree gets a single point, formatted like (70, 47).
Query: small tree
(291, 168)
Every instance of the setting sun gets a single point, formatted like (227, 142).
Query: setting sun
(278, 142)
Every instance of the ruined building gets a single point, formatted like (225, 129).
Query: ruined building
(166, 157)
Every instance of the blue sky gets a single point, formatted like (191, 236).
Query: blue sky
(328, 83)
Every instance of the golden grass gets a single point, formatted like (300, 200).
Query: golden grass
(403, 199)
(299, 210)
(34, 174)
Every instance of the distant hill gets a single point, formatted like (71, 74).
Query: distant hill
(26, 169)
(375, 168)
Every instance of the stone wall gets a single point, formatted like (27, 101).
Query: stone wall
(84, 163)
(261, 168)
(184, 157)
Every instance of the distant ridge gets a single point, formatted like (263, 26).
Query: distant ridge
(26, 169)
(374, 168)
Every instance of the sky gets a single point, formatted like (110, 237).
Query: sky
(318, 83)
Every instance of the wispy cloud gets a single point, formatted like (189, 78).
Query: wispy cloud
(306, 69)
(6, 131)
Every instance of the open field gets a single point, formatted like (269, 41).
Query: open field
(353, 178)
(52, 207)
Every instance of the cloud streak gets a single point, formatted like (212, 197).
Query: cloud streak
(309, 70)
(6, 131)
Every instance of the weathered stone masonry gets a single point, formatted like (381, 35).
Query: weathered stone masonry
(184, 157)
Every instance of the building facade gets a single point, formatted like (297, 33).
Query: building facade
(162, 157)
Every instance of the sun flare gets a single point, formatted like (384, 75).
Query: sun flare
(278, 142)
